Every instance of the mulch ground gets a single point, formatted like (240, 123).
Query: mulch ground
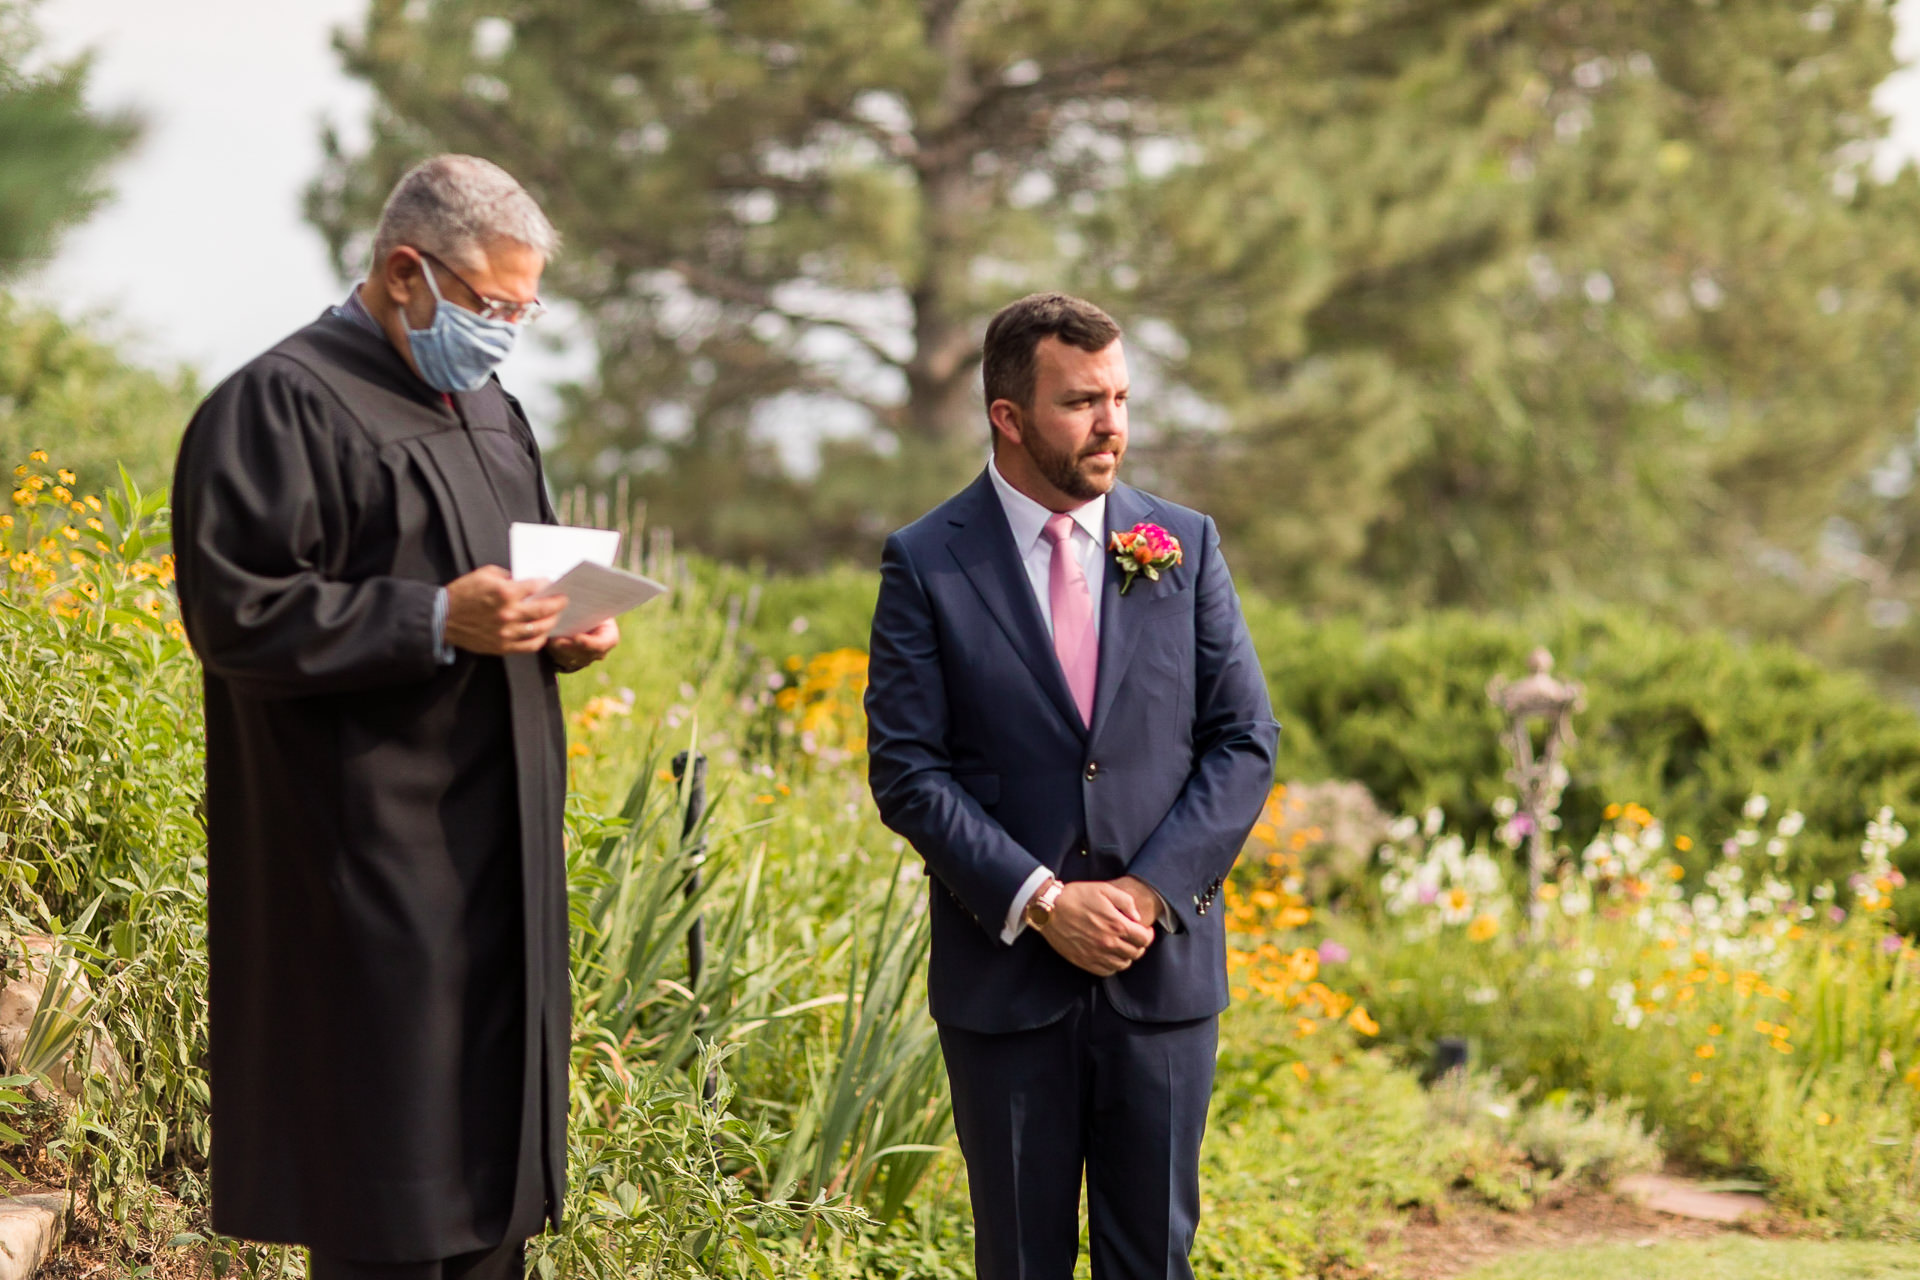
(1440, 1247)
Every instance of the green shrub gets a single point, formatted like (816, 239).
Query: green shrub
(63, 389)
(1688, 724)
(1596, 1144)
(1797, 1062)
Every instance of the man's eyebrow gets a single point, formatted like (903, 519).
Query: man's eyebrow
(1087, 393)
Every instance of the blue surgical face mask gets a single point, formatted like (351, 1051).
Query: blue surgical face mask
(459, 350)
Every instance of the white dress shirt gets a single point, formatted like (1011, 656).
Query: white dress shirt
(1028, 520)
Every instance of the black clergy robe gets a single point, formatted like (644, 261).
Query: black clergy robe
(387, 917)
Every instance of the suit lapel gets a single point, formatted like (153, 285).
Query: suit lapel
(983, 548)
(1126, 507)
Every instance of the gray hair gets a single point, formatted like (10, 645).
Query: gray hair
(454, 206)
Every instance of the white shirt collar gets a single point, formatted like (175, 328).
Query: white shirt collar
(1028, 518)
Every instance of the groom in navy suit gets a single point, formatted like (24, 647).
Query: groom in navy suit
(1078, 755)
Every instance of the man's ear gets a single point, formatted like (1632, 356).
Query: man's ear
(1009, 423)
(399, 275)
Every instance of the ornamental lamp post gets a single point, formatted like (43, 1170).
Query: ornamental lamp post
(1538, 778)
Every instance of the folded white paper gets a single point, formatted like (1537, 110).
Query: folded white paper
(550, 550)
(578, 564)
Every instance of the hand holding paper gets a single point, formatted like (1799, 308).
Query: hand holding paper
(578, 564)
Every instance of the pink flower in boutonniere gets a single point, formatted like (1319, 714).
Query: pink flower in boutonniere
(1145, 548)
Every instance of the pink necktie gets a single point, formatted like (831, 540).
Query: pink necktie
(1072, 604)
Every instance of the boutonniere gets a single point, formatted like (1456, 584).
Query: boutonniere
(1145, 548)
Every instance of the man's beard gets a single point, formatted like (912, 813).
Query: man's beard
(1063, 470)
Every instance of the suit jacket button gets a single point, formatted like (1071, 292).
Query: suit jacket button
(1082, 851)
(1093, 770)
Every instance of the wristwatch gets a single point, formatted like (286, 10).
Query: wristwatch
(1039, 912)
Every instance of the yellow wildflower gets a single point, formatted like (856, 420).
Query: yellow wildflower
(1483, 928)
(38, 455)
(1366, 1026)
(1300, 1069)
(1704, 1051)
(1823, 1119)
(66, 476)
(1683, 844)
(1696, 1077)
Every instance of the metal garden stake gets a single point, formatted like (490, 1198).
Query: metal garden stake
(1539, 778)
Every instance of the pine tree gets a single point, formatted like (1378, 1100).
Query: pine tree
(1429, 302)
(52, 148)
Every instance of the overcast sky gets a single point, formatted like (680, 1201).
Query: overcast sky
(202, 257)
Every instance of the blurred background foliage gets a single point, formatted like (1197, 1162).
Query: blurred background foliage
(1452, 304)
(60, 385)
(53, 148)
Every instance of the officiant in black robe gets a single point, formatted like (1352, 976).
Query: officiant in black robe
(386, 761)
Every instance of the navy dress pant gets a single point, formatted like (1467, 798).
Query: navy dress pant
(1123, 1101)
(506, 1261)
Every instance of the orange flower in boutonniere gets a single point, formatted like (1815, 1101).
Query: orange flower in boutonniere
(1145, 548)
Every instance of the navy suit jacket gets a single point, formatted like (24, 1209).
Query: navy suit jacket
(980, 759)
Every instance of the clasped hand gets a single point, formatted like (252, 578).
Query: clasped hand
(489, 612)
(1102, 926)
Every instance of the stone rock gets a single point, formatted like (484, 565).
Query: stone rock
(1334, 828)
(20, 996)
(30, 1228)
(1685, 1199)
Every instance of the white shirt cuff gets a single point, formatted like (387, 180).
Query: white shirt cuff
(442, 650)
(1016, 914)
(1163, 914)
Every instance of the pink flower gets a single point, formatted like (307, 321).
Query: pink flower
(1332, 952)
(1145, 548)
(1892, 943)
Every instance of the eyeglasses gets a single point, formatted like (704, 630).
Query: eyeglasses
(493, 308)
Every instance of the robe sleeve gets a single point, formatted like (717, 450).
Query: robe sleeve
(270, 479)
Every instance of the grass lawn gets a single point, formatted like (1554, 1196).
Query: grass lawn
(1728, 1258)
